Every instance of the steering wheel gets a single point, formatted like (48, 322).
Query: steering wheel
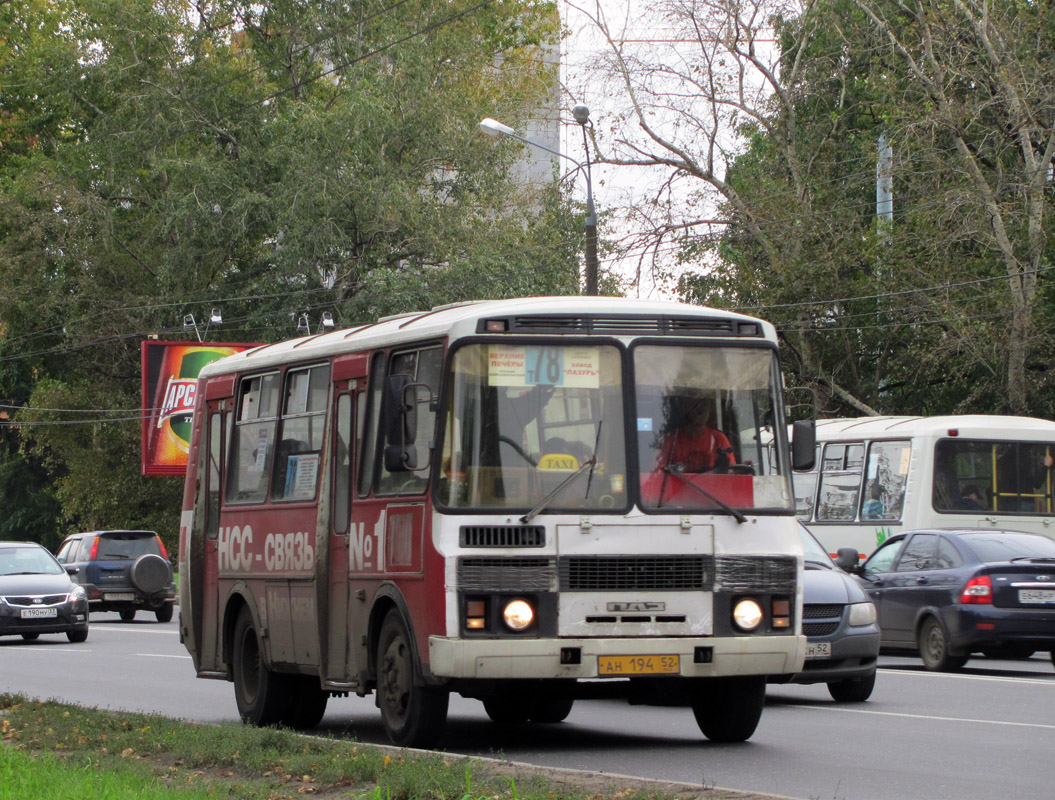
(741, 469)
(519, 450)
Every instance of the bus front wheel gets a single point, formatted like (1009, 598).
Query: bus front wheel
(261, 694)
(728, 709)
(413, 714)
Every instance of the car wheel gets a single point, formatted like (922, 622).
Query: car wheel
(261, 695)
(127, 614)
(151, 573)
(552, 709)
(1052, 654)
(413, 714)
(164, 613)
(934, 648)
(30, 637)
(307, 702)
(855, 690)
(77, 636)
(508, 710)
(729, 709)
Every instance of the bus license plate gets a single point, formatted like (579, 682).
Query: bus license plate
(118, 597)
(818, 649)
(39, 613)
(638, 665)
(1036, 595)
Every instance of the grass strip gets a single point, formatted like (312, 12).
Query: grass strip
(104, 754)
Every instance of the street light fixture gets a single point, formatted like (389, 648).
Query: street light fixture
(189, 323)
(493, 127)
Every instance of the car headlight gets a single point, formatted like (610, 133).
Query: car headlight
(862, 614)
(518, 615)
(78, 593)
(747, 614)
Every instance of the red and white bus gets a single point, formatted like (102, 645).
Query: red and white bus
(468, 500)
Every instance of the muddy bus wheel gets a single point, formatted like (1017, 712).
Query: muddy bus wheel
(260, 693)
(413, 714)
(728, 709)
(307, 702)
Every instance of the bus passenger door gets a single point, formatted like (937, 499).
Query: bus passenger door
(338, 666)
(215, 442)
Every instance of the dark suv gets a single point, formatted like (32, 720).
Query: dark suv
(123, 571)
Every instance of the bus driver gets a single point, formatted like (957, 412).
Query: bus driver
(690, 441)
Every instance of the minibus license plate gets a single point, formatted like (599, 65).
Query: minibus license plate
(638, 665)
(1036, 595)
(38, 613)
(818, 649)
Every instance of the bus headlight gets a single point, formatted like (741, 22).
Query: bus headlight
(518, 615)
(747, 614)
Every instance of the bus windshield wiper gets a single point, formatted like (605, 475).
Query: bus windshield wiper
(677, 469)
(560, 487)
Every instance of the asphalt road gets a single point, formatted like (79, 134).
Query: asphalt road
(987, 732)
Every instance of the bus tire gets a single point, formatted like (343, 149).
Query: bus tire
(508, 710)
(260, 693)
(934, 648)
(413, 714)
(552, 709)
(307, 702)
(728, 709)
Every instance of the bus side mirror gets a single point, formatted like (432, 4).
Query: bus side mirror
(400, 423)
(803, 444)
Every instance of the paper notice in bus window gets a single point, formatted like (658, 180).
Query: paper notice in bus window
(582, 367)
(903, 466)
(301, 471)
(505, 365)
(261, 450)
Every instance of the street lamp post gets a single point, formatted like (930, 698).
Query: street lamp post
(581, 113)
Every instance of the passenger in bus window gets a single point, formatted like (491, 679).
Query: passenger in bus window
(970, 499)
(690, 440)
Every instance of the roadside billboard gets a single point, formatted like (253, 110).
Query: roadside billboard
(170, 378)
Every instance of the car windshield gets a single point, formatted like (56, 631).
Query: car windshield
(28, 561)
(814, 553)
(996, 547)
(119, 546)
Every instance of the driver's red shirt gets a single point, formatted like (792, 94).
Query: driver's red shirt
(696, 452)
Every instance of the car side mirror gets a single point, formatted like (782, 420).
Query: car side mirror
(803, 444)
(72, 570)
(848, 559)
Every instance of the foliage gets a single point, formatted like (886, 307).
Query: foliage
(275, 159)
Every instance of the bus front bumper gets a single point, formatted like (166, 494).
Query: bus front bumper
(496, 659)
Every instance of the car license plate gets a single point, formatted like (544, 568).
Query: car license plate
(118, 597)
(638, 665)
(1036, 595)
(39, 613)
(818, 650)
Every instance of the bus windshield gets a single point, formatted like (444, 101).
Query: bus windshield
(526, 422)
(542, 427)
(704, 415)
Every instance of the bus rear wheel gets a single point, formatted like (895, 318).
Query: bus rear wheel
(728, 709)
(413, 714)
(260, 693)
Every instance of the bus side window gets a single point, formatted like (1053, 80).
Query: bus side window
(303, 422)
(342, 465)
(886, 474)
(368, 452)
(253, 439)
(839, 483)
(212, 473)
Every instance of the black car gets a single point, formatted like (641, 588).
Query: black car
(123, 571)
(840, 626)
(951, 593)
(37, 595)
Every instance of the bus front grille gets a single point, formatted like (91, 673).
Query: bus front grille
(635, 573)
(755, 574)
(506, 574)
